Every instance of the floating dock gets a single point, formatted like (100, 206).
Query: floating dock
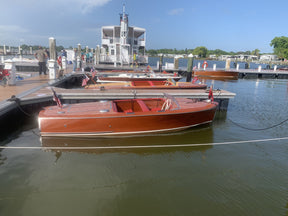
(35, 90)
(22, 102)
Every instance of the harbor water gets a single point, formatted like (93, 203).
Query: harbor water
(225, 175)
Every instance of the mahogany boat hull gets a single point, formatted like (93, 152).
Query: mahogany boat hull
(216, 74)
(148, 85)
(111, 123)
(128, 79)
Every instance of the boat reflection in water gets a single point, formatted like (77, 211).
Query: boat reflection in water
(185, 141)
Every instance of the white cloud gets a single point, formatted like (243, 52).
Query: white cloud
(85, 6)
(175, 11)
(12, 28)
(88, 5)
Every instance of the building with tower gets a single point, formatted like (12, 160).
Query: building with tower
(123, 44)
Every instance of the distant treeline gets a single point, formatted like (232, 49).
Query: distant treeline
(200, 51)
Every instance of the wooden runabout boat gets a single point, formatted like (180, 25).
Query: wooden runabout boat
(147, 85)
(134, 77)
(216, 74)
(125, 117)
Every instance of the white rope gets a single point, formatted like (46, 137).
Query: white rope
(145, 146)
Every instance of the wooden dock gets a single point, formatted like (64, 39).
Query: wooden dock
(36, 90)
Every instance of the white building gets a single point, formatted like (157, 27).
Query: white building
(123, 44)
(268, 58)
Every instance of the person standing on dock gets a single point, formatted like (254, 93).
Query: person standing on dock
(41, 55)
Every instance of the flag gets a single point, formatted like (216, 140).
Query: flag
(85, 80)
(194, 79)
(56, 99)
(211, 97)
(93, 72)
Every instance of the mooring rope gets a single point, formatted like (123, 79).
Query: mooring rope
(258, 129)
(143, 146)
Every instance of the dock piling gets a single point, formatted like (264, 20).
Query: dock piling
(189, 69)
(227, 66)
(10, 65)
(79, 57)
(160, 62)
(97, 55)
(52, 63)
(176, 63)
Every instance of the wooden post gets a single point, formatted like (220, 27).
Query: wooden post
(160, 62)
(79, 57)
(10, 65)
(189, 69)
(52, 63)
(97, 56)
(52, 48)
(227, 66)
(4, 50)
(176, 63)
(79, 50)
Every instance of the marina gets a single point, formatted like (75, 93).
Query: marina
(211, 142)
(250, 174)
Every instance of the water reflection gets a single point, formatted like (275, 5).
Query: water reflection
(153, 144)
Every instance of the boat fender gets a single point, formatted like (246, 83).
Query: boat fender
(205, 64)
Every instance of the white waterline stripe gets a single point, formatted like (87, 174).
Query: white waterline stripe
(146, 146)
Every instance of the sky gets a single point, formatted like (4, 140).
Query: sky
(173, 24)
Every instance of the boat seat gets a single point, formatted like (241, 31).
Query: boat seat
(150, 83)
(156, 109)
(128, 111)
(114, 107)
(143, 106)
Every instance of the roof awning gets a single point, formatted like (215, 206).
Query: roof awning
(110, 31)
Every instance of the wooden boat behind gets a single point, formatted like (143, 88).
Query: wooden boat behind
(134, 77)
(148, 85)
(143, 76)
(220, 74)
(124, 117)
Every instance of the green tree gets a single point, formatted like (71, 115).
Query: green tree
(280, 45)
(201, 51)
(255, 52)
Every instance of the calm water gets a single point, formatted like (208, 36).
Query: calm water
(238, 179)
